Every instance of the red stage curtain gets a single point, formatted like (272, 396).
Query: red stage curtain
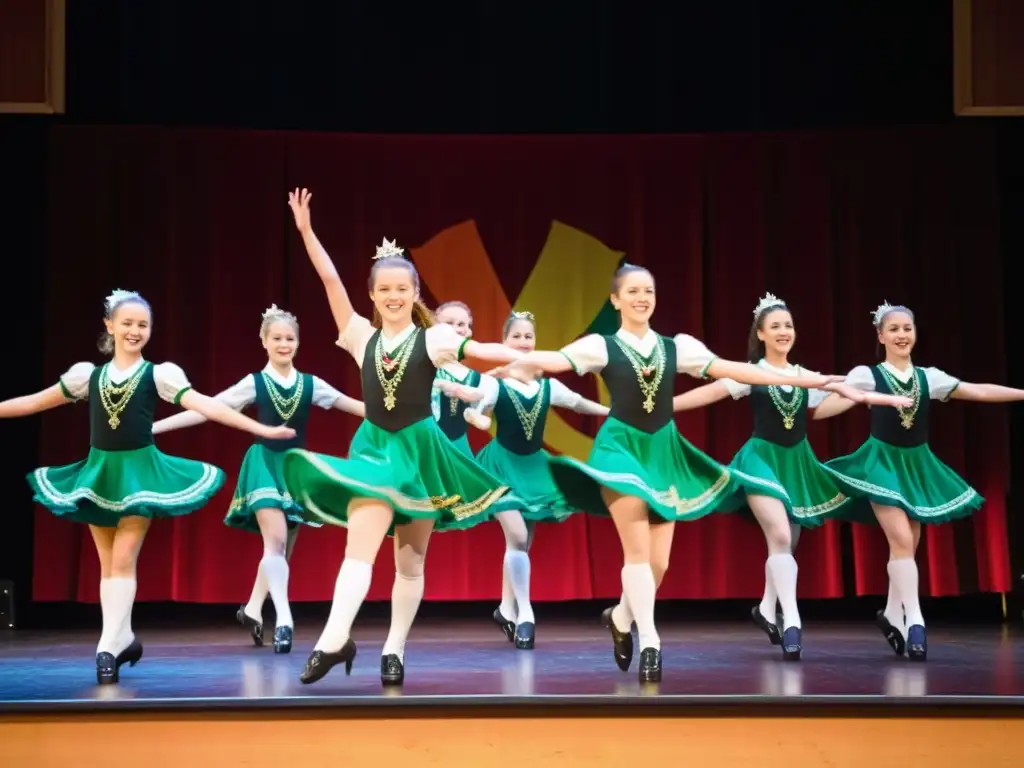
(833, 222)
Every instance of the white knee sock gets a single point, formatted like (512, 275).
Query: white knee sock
(275, 570)
(638, 586)
(117, 596)
(517, 564)
(406, 596)
(771, 596)
(349, 592)
(893, 605)
(260, 589)
(903, 580)
(508, 596)
(783, 571)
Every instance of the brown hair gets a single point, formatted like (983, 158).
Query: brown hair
(105, 344)
(421, 316)
(626, 269)
(515, 316)
(755, 347)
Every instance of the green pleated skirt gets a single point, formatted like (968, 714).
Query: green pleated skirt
(109, 485)
(417, 470)
(913, 479)
(810, 492)
(529, 476)
(261, 486)
(462, 444)
(678, 481)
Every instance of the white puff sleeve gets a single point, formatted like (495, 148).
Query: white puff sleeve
(74, 383)
(940, 384)
(692, 356)
(324, 395)
(562, 396)
(587, 355)
(861, 378)
(171, 382)
(355, 337)
(444, 345)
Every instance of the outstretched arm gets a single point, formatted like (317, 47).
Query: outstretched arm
(700, 397)
(237, 397)
(747, 373)
(563, 397)
(337, 296)
(833, 405)
(214, 410)
(350, 405)
(986, 393)
(26, 405)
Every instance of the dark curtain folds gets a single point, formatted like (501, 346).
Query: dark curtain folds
(834, 222)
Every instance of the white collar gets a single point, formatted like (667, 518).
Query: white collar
(526, 390)
(284, 381)
(901, 376)
(392, 343)
(116, 375)
(644, 346)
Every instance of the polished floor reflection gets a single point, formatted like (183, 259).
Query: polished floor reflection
(713, 664)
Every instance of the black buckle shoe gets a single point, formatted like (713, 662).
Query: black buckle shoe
(108, 668)
(892, 635)
(320, 663)
(524, 636)
(917, 643)
(769, 628)
(255, 627)
(622, 642)
(508, 627)
(283, 640)
(791, 645)
(392, 670)
(650, 665)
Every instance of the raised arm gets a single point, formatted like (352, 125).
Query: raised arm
(700, 397)
(337, 296)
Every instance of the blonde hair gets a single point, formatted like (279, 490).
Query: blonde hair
(421, 315)
(276, 314)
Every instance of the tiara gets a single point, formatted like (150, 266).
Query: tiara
(523, 316)
(119, 297)
(388, 248)
(769, 300)
(879, 314)
(274, 311)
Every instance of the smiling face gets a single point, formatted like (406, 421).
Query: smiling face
(281, 340)
(393, 293)
(521, 336)
(777, 331)
(634, 298)
(458, 317)
(898, 334)
(129, 325)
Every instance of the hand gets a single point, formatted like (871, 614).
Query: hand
(501, 372)
(821, 382)
(298, 201)
(477, 419)
(278, 433)
(459, 392)
(896, 401)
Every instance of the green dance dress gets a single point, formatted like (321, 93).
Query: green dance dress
(261, 478)
(638, 451)
(398, 455)
(450, 411)
(516, 455)
(124, 474)
(895, 466)
(779, 454)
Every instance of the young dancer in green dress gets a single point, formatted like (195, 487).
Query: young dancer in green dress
(800, 491)
(641, 471)
(262, 504)
(901, 483)
(449, 410)
(125, 481)
(516, 456)
(403, 475)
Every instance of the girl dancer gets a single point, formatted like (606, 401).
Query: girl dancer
(125, 481)
(450, 409)
(896, 471)
(261, 503)
(800, 491)
(640, 464)
(516, 455)
(402, 475)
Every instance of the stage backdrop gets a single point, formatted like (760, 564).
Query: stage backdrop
(834, 223)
